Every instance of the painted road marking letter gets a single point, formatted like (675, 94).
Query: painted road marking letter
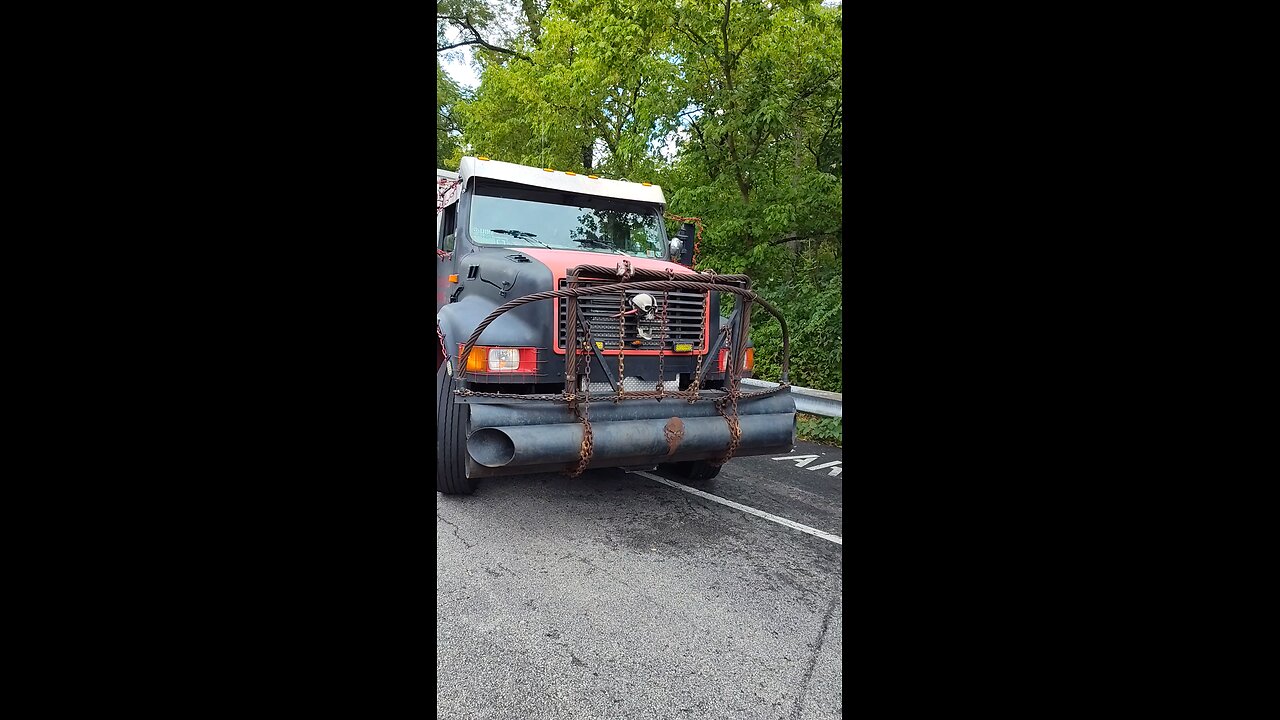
(803, 460)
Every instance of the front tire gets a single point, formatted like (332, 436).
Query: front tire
(451, 438)
(697, 471)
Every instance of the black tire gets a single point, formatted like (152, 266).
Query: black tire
(694, 470)
(451, 438)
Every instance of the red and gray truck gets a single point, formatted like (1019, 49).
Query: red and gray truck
(573, 334)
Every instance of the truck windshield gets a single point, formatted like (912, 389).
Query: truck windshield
(519, 216)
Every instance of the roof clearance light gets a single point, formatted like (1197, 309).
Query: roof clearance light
(566, 172)
(647, 184)
(594, 177)
(481, 157)
(548, 169)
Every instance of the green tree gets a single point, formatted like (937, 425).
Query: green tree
(752, 91)
(448, 132)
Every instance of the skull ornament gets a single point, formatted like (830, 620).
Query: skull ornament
(647, 306)
(647, 313)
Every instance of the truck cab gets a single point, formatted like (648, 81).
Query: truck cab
(539, 372)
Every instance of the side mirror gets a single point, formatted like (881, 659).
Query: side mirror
(682, 245)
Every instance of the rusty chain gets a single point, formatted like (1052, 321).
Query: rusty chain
(730, 375)
(735, 431)
(622, 341)
(634, 395)
(442, 188)
(588, 447)
(662, 342)
(697, 373)
(625, 272)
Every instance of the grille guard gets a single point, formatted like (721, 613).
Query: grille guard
(633, 279)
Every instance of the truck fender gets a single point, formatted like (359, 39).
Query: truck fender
(456, 321)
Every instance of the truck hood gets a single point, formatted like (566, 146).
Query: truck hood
(559, 261)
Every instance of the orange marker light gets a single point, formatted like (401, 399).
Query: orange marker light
(748, 361)
(478, 360)
(453, 278)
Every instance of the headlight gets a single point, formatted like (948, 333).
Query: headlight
(504, 359)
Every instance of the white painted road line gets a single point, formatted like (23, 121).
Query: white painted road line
(749, 510)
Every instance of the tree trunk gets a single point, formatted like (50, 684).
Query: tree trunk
(533, 20)
(795, 180)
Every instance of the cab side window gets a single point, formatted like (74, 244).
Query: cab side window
(449, 227)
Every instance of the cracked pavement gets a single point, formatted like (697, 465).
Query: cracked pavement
(614, 596)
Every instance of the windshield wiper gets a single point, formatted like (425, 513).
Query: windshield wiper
(525, 236)
(516, 233)
(600, 244)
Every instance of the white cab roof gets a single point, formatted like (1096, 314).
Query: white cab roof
(537, 177)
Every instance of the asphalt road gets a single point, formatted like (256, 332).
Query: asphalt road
(612, 595)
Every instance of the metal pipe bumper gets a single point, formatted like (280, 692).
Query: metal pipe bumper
(507, 440)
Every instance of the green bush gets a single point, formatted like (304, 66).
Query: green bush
(811, 300)
(814, 428)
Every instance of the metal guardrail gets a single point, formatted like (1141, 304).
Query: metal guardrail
(808, 400)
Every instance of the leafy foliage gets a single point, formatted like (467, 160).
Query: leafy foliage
(749, 94)
(447, 131)
(825, 430)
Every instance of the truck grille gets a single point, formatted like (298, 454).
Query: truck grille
(686, 312)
